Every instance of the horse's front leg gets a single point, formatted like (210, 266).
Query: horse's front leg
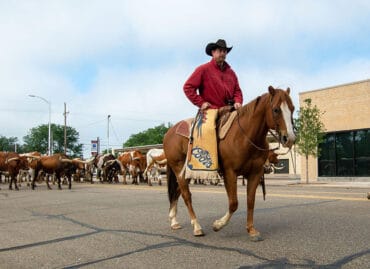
(230, 183)
(252, 184)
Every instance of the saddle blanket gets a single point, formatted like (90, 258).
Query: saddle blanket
(202, 160)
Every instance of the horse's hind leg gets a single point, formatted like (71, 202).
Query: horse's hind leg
(186, 195)
(173, 196)
(175, 225)
(175, 188)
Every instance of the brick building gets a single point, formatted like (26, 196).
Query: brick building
(345, 153)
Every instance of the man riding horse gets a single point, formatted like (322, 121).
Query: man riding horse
(241, 152)
(210, 87)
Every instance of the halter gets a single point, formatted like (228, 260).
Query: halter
(276, 128)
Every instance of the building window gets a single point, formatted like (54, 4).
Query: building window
(345, 154)
(362, 149)
(282, 167)
(327, 157)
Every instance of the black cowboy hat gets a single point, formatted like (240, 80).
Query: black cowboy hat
(219, 44)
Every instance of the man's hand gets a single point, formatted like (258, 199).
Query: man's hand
(237, 105)
(205, 105)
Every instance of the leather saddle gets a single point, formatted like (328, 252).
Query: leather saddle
(225, 118)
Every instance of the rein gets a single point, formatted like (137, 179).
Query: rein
(251, 142)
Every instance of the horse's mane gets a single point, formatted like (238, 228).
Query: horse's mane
(250, 108)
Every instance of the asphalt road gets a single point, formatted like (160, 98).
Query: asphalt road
(117, 226)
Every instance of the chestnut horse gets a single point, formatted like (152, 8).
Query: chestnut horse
(243, 152)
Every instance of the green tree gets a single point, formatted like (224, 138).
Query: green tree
(37, 140)
(8, 143)
(149, 137)
(310, 131)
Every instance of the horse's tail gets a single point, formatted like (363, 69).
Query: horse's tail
(172, 185)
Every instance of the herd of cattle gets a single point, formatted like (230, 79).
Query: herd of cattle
(33, 167)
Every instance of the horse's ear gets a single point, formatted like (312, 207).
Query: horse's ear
(288, 90)
(271, 90)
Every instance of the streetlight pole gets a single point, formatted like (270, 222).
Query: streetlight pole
(49, 131)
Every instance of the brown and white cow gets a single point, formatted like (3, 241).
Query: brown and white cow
(133, 163)
(83, 169)
(108, 167)
(11, 163)
(156, 160)
(57, 164)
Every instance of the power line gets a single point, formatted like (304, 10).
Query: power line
(114, 131)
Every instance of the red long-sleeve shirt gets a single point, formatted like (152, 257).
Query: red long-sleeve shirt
(215, 86)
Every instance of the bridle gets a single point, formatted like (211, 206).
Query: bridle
(278, 138)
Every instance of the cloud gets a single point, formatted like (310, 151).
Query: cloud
(129, 59)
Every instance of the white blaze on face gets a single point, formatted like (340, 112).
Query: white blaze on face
(287, 115)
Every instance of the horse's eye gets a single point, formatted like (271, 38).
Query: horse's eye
(276, 110)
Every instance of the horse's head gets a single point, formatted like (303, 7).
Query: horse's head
(280, 115)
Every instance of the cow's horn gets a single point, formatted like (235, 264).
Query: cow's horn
(65, 160)
(31, 156)
(110, 161)
(12, 159)
(80, 161)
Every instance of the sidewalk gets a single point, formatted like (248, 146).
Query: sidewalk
(287, 182)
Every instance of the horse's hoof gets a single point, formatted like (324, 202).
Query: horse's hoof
(198, 232)
(256, 238)
(217, 225)
(216, 229)
(176, 226)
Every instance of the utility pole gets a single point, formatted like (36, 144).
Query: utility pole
(65, 127)
(108, 133)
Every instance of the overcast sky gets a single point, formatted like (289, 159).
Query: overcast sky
(130, 59)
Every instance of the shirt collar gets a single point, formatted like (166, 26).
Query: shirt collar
(226, 65)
